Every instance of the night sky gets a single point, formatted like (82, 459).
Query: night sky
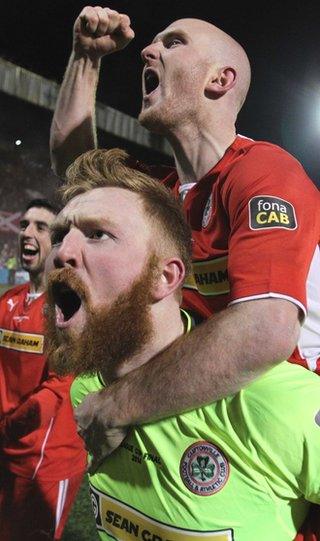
(282, 40)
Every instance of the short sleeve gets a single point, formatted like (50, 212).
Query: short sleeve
(274, 213)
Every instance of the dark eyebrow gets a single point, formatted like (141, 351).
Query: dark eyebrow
(37, 222)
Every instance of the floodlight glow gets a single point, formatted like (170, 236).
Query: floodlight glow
(18, 142)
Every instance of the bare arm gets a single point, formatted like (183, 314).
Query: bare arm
(72, 129)
(97, 32)
(215, 360)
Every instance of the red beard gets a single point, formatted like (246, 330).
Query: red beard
(112, 334)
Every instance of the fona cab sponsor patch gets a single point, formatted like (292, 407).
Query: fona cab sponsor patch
(267, 212)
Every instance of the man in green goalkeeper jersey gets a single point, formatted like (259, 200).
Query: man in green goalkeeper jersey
(244, 468)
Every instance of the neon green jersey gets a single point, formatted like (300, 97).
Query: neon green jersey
(240, 469)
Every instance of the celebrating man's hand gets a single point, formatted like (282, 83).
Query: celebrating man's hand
(100, 31)
(100, 438)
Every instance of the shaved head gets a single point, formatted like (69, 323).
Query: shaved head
(194, 74)
(222, 51)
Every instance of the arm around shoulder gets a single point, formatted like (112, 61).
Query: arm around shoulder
(216, 359)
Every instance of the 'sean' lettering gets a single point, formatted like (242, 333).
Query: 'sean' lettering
(122, 523)
(116, 520)
(130, 527)
(109, 516)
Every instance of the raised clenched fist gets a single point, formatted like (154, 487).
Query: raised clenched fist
(100, 31)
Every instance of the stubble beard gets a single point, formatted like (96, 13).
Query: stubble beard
(179, 107)
(34, 268)
(155, 119)
(161, 116)
(112, 335)
(168, 118)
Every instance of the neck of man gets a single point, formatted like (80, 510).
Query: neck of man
(199, 146)
(37, 282)
(167, 325)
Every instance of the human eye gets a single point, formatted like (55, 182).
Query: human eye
(173, 41)
(23, 225)
(99, 234)
(42, 227)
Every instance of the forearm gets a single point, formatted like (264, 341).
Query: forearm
(215, 360)
(73, 126)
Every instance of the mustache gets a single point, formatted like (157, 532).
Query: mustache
(113, 334)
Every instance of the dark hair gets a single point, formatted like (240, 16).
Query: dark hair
(43, 203)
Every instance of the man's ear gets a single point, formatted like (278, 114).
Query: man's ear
(220, 82)
(169, 279)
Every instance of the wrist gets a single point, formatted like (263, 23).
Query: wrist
(117, 404)
(88, 61)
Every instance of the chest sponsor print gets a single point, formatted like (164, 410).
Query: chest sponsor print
(209, 278)
(19, 341)
(124, 522)
(204, 469)
(268, 212)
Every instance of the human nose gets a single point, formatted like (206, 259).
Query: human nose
(69, 251)
(151, 52)
(28, 231)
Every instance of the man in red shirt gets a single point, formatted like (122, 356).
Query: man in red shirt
(42, 457)
(253, 211)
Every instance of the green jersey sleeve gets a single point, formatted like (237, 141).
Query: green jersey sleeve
(83, 385)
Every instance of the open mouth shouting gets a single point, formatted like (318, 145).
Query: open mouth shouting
(151, 81)
(29, 252)
(67, 300)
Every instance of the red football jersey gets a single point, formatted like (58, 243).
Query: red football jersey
(255, 220)
(52, 449)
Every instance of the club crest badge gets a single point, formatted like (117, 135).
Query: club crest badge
(207, 212)
(204, 469)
